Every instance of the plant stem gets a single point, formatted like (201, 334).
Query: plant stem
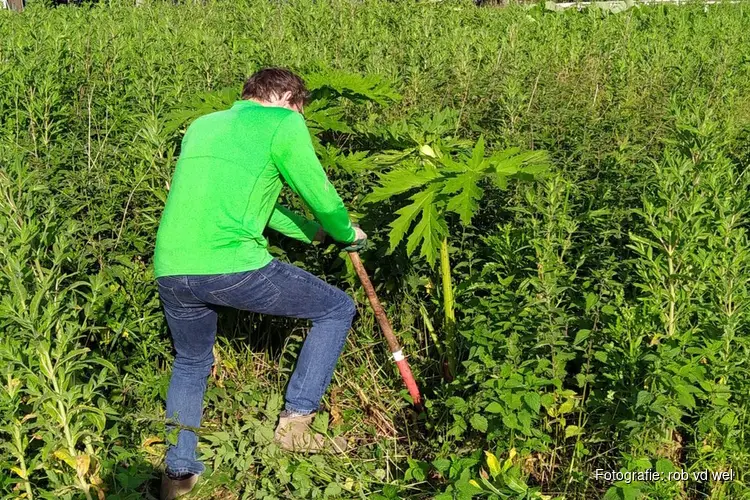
(450, 316)
(82, 483)
(431, 329)
(22, 461)
(672, 294)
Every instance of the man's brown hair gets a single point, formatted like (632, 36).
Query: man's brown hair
(270, 82)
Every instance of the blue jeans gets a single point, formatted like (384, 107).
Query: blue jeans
(278, 289)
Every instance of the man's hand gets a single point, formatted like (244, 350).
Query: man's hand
(360, 239)
(358, 233)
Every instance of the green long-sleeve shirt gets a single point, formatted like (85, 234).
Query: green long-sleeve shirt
(225, 187)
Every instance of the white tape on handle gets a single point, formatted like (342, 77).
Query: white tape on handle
(398, 356)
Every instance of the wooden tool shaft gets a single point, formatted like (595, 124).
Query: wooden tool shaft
(377, 307)
(385, 327)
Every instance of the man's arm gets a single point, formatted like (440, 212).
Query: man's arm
(294, 225)
(292, 152)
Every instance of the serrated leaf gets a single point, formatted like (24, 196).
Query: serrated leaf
(685, 398)
(466, 202)
(499, 156)
(358, 161)
(524, 418)
(613, 493)
(477, 154)
(263, 435)
(501, 181)
(494, 407)
(478, 422)
(441, 464)
(400, 181)
(631, 492)
(430, 229)
(567, 406)
(321, 115)
(512, 161)
(510, 421)
(533, 400)
(458, 404)
(320, 423)
(371, 87)
(506, 169)
(534, 169)
(455, 184)
(332, 490)
(198, 105)
(449, 165)
(581, 336)
(729, 419)
(664, 466)
(406, 215)
(274, 402)
(643, 398)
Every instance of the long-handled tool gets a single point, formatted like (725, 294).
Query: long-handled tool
(385, 326)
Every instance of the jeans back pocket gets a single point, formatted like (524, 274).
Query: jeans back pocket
(251, 291)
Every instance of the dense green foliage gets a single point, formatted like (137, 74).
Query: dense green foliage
(598, 302)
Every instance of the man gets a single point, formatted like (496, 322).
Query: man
(210, 251)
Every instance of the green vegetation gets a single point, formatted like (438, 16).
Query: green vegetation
(559, 208)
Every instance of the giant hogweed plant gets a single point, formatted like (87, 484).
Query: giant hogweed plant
(435, 179)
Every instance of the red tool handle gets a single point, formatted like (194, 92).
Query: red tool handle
(385, 327)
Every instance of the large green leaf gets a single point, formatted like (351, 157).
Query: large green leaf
(477, 155)
(407, 214)
(466, 202)
(430, 230)
(355, 162)
(450, 165)
(371, 87)
(511, 161)
(399, 181)
(479, 422)
(504, 154)
(322, 115)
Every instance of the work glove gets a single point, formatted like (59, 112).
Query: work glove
(360, 240)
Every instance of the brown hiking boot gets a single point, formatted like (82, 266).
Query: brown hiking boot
(294, 434)
(172, 488)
